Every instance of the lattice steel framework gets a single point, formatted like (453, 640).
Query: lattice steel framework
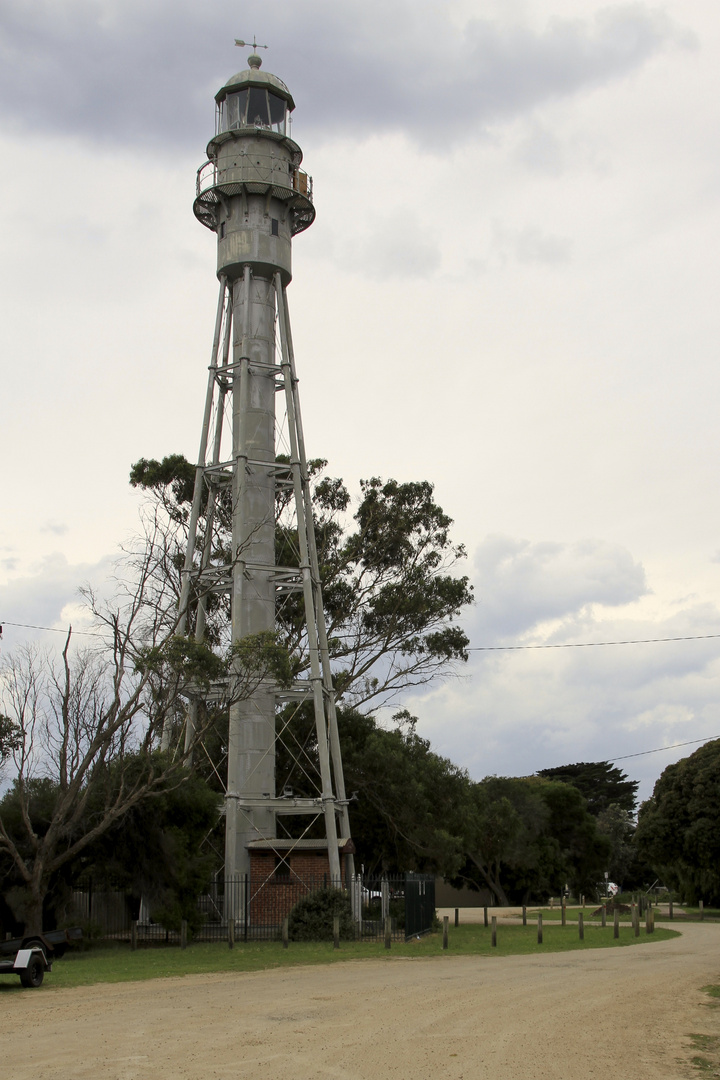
(252, 465)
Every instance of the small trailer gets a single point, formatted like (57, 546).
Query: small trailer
(30, 957)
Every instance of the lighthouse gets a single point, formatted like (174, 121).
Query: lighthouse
(254, 195)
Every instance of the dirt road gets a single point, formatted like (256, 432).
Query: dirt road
(602, 1013)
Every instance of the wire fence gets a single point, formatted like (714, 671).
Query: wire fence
(251, 909)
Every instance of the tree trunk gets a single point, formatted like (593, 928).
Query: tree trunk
(34, 907)
(493, 883)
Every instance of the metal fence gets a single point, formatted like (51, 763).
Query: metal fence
(250, 909)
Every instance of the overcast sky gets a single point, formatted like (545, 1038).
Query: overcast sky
(510, 290)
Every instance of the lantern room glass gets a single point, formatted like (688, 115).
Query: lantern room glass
(255, 107)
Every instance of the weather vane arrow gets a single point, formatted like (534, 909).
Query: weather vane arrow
(244, 44)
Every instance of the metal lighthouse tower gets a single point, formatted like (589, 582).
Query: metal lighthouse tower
(253, 194)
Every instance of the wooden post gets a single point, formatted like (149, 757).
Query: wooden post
(485, 916)
(539, 927)
(616, 924)
(388, 932)
(183, 934)
(581, 926)
(582, 898)
(552, 902)
(636, 922)
(640, 905)
(445, 931)
(563, 913)
(648, 916)
(604, 913)
(702, 911)
(285, 932)
(231, 933)
(494, 932)
(524, 915)
(133, 934)
(457, 916)
(336, 931)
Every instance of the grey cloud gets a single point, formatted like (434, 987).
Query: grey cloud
(531, 245)
(39, 598)
(57, 528)
(538, 709)
(541, 152)
(396, 247)
(521, 584)
(144, 74)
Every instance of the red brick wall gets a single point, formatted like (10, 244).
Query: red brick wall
(274, 894)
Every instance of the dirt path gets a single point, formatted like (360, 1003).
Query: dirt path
(603, 1013)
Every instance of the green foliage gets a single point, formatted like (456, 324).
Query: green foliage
(174, 472)
(157, 850)
(600, 782)
(312, 917)
(528, 837)
(408, 813)
(618, 826)
(10, 737)
(679, 827)
(262, 656)
(390, 596)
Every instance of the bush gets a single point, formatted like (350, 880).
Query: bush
(312, 917)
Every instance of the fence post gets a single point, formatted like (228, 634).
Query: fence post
(388, 932)
(183, 934)
(636, 922)
(231, 931)
(524, 915)
(285, 932)
(539, 927)
(485, 916)
(133, 934)
(336, 931)
(457, 916)
(246, 905)
(445, 931)
(494, 931)
(616, 924)
(563, 913)
(604, 913)
(581, 926)
(702, 910)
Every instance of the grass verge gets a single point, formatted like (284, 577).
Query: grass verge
(119, 964)
(705, 1049)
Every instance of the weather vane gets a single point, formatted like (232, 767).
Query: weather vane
(244, 44)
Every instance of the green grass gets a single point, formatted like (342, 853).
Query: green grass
(706, 1056)
(119, 964)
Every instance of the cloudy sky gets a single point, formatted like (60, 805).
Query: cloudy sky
(510, 290)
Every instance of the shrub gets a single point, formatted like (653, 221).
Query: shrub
(312, 917)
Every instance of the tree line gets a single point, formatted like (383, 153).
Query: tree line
(92, 795)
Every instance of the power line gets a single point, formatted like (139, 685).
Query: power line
(53, 629)
(471, 648)
(590, 644)
(672, 746)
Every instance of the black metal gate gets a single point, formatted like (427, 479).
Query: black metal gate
(419, 904)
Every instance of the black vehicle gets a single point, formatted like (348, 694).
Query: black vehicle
(30, 957)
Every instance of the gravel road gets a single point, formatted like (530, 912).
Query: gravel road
(601, 1013)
